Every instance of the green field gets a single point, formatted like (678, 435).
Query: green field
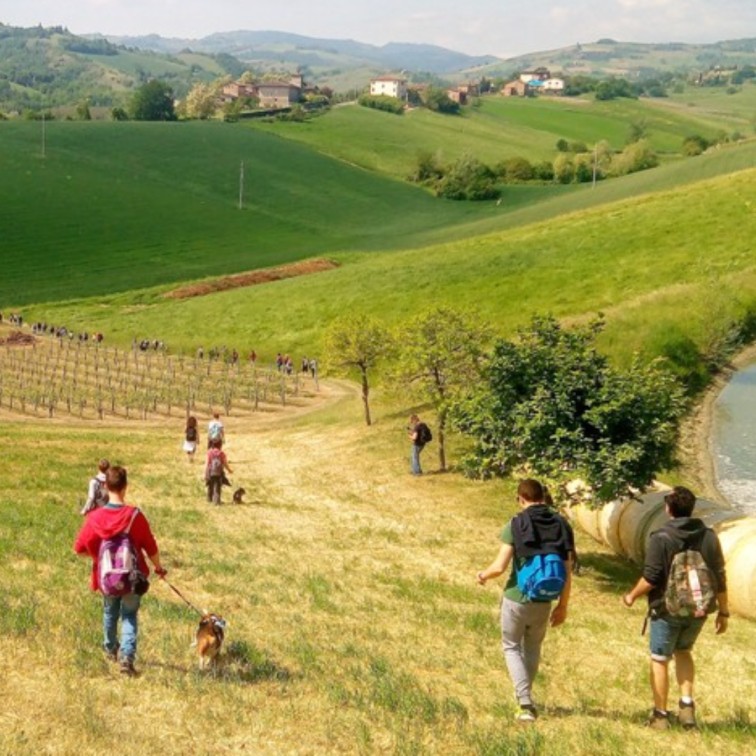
(355, 624)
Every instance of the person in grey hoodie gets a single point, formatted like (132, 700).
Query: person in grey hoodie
(672, 636)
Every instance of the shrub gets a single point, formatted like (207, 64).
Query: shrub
(382, 102)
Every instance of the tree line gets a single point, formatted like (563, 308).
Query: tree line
(545, 403)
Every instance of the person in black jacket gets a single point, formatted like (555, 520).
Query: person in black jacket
(673, 636)
(537, 529)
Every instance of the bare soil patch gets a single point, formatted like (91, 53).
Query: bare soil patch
(18, 338)
(252, 278)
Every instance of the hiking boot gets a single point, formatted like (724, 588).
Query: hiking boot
(659, 720)
(527, 713)
(111, 656)
(687, 715)
(127, 668)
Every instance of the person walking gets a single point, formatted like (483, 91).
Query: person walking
(97, 495)
(104, 523)
(536, 531)
(215, 466)
(419, 435)
(679, 603)
(215, 430)
(191, 435)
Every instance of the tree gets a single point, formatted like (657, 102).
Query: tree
(202, 101)
(119, 114)
(441, 355)
(551, 406)
(438, 100)
(153, 101)
(357, 342)
(82, 111)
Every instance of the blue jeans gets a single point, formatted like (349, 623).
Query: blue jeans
(670, 634)
(126, 607)
(415, 459)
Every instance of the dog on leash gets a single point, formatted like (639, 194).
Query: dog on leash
(210, 634)
(239, 496)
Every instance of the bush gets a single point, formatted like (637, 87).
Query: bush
(694, 145)
(550, 405)
(382, 102)
(468, 179)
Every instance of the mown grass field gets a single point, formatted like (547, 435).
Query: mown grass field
(669, 269)
(355, 624)
(122, 206)
(502, 127)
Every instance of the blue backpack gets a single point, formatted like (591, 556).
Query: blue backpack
(542, 577)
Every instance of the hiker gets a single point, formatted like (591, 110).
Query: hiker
(682, 549)
(215, 466)
(540, 545)
(419, 434)
(215, 430)
(97, 496)
(191, 434)
(114, 518)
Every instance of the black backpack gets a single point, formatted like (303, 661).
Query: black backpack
(424, 435)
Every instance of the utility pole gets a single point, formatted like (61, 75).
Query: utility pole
(43, 133)
(241, 185)
(595, 160)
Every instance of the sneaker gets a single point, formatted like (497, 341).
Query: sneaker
(111, 656)
(527, 713)
(658, 720)
(687, 715)
(127, 668)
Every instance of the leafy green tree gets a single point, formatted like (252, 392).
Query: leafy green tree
(82, 111)
(428, 168)
(437, 100)
(119, 114)
(552, 406)
(153, 101)
(468, 179)
(694, 145)
(637, 130)
(357, 343)
(202, 101)
(441, 354)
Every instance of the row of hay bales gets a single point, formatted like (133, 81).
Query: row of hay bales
(626, 524)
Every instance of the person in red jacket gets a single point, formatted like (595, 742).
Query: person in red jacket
(105, 522)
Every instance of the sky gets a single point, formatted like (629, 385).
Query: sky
(484, 27)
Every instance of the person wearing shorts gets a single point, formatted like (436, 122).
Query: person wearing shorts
(674, 637)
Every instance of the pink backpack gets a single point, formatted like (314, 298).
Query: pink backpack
(117, 563)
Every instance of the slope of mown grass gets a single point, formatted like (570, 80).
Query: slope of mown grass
(113, 207)
(355, 623)
(634, 258)
(502, 127)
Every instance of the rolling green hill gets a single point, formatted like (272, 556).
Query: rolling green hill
(499, 128)
(113, 207)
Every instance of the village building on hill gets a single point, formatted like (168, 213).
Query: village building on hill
(390, 86)
(276, 94)
(537, 81)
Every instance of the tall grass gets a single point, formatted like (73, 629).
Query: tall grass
(355, 624)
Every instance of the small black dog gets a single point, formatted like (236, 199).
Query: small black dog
(238, 496)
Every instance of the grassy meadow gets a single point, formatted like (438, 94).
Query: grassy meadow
(355, 624)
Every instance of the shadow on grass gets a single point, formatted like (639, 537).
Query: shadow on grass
(612, 574)
(247, 664)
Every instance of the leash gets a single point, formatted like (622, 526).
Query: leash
(182, 597)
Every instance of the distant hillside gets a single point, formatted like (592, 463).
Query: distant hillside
(632, 59)
(50, 67)
(300, 51)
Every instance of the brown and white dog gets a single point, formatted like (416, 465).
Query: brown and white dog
(210, 634)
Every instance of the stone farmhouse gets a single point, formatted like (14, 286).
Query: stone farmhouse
(270, 94)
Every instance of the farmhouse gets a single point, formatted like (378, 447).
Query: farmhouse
(462, 93)
(271, 94)
(390, 86)
(278, 94)
(535, 82)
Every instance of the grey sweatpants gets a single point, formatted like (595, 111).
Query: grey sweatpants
(523, 628)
